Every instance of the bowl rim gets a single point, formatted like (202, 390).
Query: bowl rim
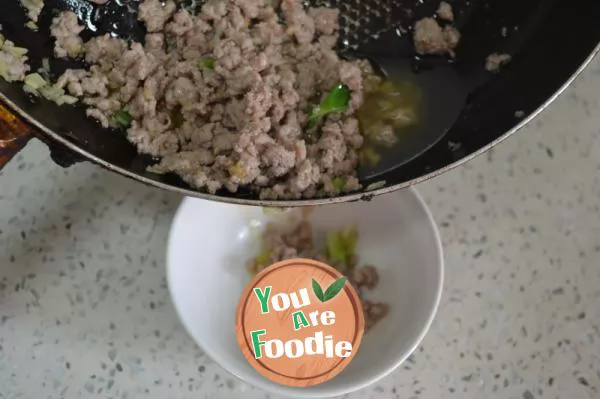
(314, 391)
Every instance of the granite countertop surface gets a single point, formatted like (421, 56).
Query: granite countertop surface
(85, 312)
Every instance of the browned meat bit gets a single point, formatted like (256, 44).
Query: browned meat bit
(65, 29)
(326, 19)
(494, 61)
(374, 312)
(430, 38)
(366, 277)
(155, 14)
(300, 24)
(445, 12)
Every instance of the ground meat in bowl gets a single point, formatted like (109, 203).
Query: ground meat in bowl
(224, 98)
(339, 251)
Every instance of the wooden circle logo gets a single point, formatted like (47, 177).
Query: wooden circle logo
(299, 322)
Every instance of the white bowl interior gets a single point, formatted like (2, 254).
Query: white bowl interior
(211, 242)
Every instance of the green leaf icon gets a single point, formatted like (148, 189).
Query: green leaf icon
(317, 290)
(330, 292)
(334, 289)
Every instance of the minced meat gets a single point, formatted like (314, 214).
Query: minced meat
(494, 61)
(13, 61)
(65, 29)
(445, 12)
(278, 245)
(430, 38)
(222, 97)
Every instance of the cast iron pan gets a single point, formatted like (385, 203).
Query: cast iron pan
(471, 109)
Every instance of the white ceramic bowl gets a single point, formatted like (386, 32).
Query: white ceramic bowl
(210, 243)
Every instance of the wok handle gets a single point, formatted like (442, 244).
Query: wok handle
(14, 134)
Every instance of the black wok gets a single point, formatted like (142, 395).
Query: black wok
(550, 40)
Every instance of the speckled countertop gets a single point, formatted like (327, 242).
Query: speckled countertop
(85, 313)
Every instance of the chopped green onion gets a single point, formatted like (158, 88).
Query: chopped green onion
(32, 25)
(339, 183)
(376, 185)
(264, 257)
(207, 63)
(336, 101)
(237, 170)
(368, 156)
(177, 118)
(341, 246)
(123, 118)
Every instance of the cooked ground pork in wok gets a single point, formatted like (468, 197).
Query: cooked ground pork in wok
(339, 251)
(244, 93)
(223, 97)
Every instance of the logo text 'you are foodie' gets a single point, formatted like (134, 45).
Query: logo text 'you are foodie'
(319, 344)
(299, 322)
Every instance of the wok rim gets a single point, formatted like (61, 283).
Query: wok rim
(359, 196)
